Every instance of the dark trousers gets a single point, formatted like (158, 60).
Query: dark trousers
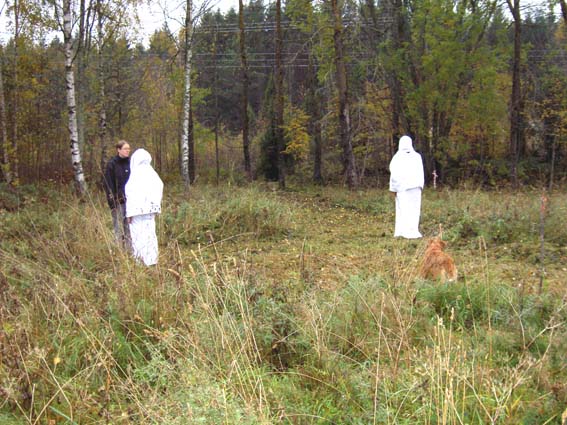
(121, 229)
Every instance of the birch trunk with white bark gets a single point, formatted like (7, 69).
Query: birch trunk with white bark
(187, 98)
(71, 103)
(102, 94)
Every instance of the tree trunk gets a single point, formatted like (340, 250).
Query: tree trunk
(102, 124)
(186, 98)
(245, 84)
(552, 165)
(216, 95)
(14, 159)
(515, 100)
(119, 103)
(71, 105)
(191, 140)
(81, 65)
(313, 106)
(399, 123)
(563, 4)
(279, 104)
(342, 87)
(6, 171)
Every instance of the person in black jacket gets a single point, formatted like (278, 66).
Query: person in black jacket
(115, 178)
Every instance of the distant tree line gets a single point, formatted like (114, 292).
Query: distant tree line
(316, 91)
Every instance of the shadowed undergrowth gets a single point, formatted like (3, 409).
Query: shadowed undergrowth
(292, 307)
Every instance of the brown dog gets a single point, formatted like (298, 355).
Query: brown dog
(436, 263)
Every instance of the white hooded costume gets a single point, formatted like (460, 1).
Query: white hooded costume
(406, 179)
(143, 191)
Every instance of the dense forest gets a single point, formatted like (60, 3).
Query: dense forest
(313, 91)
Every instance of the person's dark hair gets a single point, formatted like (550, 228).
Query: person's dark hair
(121, 144)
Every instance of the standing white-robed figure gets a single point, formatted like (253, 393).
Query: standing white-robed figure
(143, 191)
(406, 180)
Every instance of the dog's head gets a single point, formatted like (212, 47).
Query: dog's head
(436, 244)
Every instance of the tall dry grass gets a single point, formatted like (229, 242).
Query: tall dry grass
(208, 336)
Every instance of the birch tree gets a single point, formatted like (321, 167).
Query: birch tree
(76, 159)
(185, 126)
(102, 124)
(187, 144)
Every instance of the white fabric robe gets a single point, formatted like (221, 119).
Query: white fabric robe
(144, 192)
(144, 238)
(408, 206)
(407, 179)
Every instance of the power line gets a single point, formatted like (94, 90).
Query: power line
(267, 26)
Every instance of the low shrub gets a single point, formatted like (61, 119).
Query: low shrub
(220, 215)
(466, 305)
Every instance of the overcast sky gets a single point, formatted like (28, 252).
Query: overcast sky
(152, 17)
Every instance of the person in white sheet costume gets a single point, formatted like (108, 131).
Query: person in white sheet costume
(143, 191)
(406, 180)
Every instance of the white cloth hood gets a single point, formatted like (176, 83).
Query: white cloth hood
(406, 167)
(144, 188)
(405, 144)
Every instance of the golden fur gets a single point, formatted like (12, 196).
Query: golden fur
(436, 263)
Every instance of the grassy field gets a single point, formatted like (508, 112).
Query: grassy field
(294, 307)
